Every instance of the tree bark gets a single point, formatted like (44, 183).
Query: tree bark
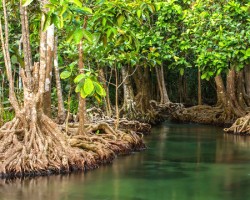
(224, 98)
(82, 101)
(117, 111)
(129, 104)
(161, 85)
(231, 91)
(246, 90)
(199, 88)
(5, 49)
(107, 98)
(26, 43)
(143, 95)
(61, 115)
(50, 35)
(240, 90)
(182, 89)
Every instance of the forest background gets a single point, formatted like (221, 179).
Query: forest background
(72, 60)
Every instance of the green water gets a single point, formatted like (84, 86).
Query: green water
(183, 161)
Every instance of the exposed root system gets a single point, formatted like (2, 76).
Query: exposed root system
(202, 114)
(240, 126)
(44, 147)
(165, 110)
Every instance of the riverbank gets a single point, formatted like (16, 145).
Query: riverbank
(69, 151)
(182, 162)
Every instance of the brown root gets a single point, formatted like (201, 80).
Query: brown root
(165, 110)
(240, 126)
(39, 148)
(43, 147)
(203, 114)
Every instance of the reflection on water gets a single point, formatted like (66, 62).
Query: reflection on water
(183, 161)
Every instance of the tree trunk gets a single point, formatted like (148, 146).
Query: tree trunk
(46, 57)
(231, 91)
(7, 62)
(61, 115)
(182, 89)
(161, 85)
(117, 111)
(50, 32)
(240, 90)
(31, 142)
(247, 84)
(129, 104)
(224, 99)
(46, 60)
(199, 88)
(143, 95)
(107, 98)
(82, 101)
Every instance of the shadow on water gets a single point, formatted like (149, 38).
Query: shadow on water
(183, 161)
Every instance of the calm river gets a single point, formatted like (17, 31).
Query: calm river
(183, 161)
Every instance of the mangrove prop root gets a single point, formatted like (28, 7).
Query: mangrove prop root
(240, 126)
(43, 148)
(202, 114)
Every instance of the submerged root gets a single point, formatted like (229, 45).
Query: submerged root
(240, 126)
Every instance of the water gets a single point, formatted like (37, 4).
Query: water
(183, 162)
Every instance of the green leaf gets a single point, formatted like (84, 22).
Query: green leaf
(64, 9)
(99, 89)
(104, 21)
(83, 93)
(204, 76)
(151, 8)
(26, 2)
(61, 22)
(96, 38)
(218, 71)
(78, 88)
(78, 35)
(65, 74)
(105, 40)
(210, 73)
(50, 6)
(70, 37)
(88, 86)
(47, 22)
(76, 2)
(182, 71)
(109, 32)
(247, 52)
(78, 78)
(139, 12)
(14, 59)
(120, 20)
(98, 98)
(87, 10)
(87, 35)
(55, 20)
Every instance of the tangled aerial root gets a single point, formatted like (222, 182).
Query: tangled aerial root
(240, 126)
(44, 148)
(202, 114)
